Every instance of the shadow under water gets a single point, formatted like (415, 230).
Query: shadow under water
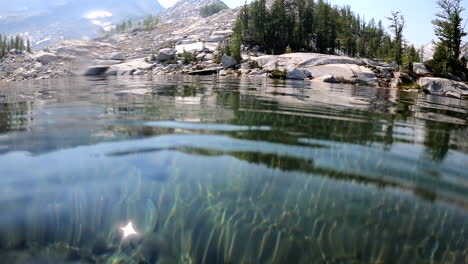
(230, 170)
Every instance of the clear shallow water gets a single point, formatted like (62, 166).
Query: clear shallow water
(230, 171)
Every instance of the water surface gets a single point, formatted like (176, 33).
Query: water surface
(231, 170)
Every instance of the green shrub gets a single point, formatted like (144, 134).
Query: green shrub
(171, 61)
(223, 49)
(412, 85)
(188, 57)
(278, 74)
(151, 58)
(253, 64)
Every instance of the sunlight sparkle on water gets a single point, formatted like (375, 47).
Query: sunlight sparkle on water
(128, 230)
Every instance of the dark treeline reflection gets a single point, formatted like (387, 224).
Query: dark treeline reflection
(15, 116)
(296, 112)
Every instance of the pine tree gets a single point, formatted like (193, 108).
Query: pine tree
(309, 24)
(28, 47)
(397, 24)
(5, 44)
(410, 57)
(235, 46)
(299, 30)
(449, 30)
(258, 15)
(421, 53)
(439, 62)
(346, 37)
(277, 35)
(322, 16)
(1, 46)
(245, 20)
(21, 44)
(12, 44)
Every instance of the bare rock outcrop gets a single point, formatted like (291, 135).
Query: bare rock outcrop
(130, 67)
(344, 69)
(444, 87)
(45, 57)
(166, 54)
(420, 69)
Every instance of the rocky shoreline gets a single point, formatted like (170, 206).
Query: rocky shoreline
(161, 52)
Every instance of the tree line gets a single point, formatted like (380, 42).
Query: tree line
(308, 25)
(18, 43)
(317, 26)
(148, 23)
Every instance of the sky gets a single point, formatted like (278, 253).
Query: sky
(418, 14)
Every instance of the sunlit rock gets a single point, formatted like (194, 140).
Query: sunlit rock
(420, 68)
(45, 57)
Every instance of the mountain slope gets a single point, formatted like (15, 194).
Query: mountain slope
(464, 51)
(430, 47)
(187, 9)
(428, 51)
(50, 22)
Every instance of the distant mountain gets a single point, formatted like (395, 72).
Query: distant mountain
(46, 22)
(430, 47)
(464, 50)
(428, 50)
(187, 9)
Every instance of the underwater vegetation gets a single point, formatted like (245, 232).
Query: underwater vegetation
(236, 212)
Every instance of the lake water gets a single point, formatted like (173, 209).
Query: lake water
(230, 171)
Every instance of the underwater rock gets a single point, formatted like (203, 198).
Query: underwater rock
(101, 247)
(130, 244)
(151, 248)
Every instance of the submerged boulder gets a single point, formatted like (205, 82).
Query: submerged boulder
(445, 87)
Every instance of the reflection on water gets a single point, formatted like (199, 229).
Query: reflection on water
(230, 171)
